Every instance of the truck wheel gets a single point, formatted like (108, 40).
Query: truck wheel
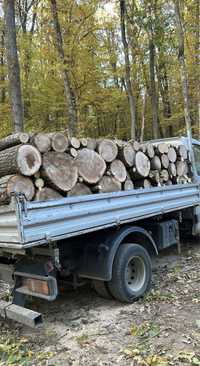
(131, 275)
(101, 289)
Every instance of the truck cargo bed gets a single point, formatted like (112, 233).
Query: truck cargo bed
(25, 224)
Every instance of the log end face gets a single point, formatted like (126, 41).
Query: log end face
(28, 160)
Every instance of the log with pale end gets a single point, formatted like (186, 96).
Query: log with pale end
(142, 166)
(91, 166)
(118, 170)
(59, 170)
(127, 155)
(59, 142)
(108, 184)
(156, 163)
(42, 142)
(150, 150)
(108, 150)
(172, 156)
(80, 189)
(46, 194)
(17, 184)
(143, 183)
(13, 140)
(172, 170)
(22, 159)
(164, 161)
(75, 143)
(128, 185)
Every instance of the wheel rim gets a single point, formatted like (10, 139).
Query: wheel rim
(135, 274)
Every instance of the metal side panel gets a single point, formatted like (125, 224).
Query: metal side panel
(10, 232)
(53, 220)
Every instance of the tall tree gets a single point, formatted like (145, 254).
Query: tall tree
(183, 71)
(129, 88)
(69, 92)
(13, 66)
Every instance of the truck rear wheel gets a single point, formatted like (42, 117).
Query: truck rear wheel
(131, 275)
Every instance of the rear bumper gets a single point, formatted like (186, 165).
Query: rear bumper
(22, 315)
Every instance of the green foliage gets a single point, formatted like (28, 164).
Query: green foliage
(95, 62)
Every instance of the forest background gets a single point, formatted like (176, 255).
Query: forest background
(99, 68)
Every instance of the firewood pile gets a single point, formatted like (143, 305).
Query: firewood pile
(50, 166)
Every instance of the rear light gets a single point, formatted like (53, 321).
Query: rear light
(44, 287)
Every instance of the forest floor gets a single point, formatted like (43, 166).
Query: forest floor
(82, 329)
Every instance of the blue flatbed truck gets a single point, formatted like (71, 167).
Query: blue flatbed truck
(106, 238)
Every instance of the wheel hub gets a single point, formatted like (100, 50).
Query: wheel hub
(135, 274)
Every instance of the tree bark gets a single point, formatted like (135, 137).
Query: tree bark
(108, 184)
(154, 97)
(13, 140)
(131, 98)
(46, 194)
(13, 66)
(69, 92)
(184, 77)
(17, 184)
(80, 189)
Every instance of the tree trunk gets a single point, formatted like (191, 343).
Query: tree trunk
(69, 92)
(154, 97)
(59, 171)
(131, 98)
(144, 104)
(2, 63)
(23, 159)
(12, 140)
(184, 77)
(91, 166)
(13, 66)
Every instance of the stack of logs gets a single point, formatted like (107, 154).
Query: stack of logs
(50, 166)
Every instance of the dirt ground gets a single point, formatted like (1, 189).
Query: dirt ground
(82, 329)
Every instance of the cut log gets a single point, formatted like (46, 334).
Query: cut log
(172, 170)
(128, 185)
(142, 166)
(156, 163)
(13, 140)
(181, 168)
(17, 184)
(91, 166)
(59, 170)
(79, 189)
(169, 183)
(108, 150)
(143, 183)
(91, 144)
(136, 145)
(59, 142)
(154, 176)
(46, 194)
(108, 184)
(23, 159)
(73, 152)
(118, 170)
(39, 183)
(127, 155)
(84, 142)
(164, 175)
(150, 150)
(182, 152)
(162, 148)
(164, 161)
(75, 143)
(42, 142)
(172, 156)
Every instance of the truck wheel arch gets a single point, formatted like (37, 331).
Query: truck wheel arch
(99, 257)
